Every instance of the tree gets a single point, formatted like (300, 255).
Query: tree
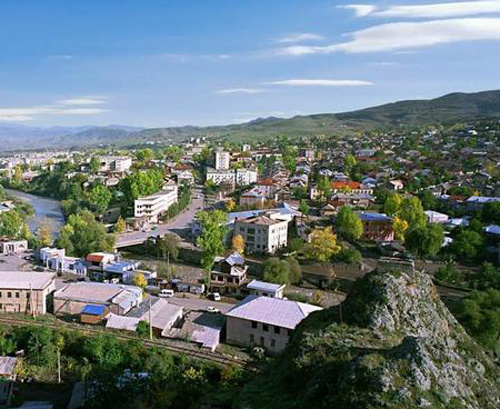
(323, 245)
(399, 226)
(94, 164)
(238, 243)
(324, 188)
(10, 224)
(120, 226)
(44, 233)
(413, 212)
(168, 246)
(392, 204)
(143, 329)
(428, 199)
(349, 224)
(230, 205)
(139, 280)
(145, 155)
(425, 241)
(479, 313)
(303, 207)
(295, 271)
(491, 213)
(99, 197)
(466, 244)
(488, 277)
(276, 271)
(213, 233)
(141, 183)
(349, 163)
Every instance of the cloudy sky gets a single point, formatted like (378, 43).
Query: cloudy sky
(202, 62)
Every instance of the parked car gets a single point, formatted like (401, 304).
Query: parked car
(213, 310)
(165, 293)
(214, 296)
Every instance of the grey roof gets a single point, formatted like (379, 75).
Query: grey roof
(272, 311)
(22, 280)
(7, 365)
(263, 286)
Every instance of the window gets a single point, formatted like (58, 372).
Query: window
(276, 329)
(254, 325)
(17, 294)
(28, 295)
(0, 294)
(273, 343)
(289, 332)
(262, 342)
(252, 339)
(9, 295)
(265, 327)
(251, 230)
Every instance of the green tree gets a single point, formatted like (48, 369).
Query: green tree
(94, 164)
(466, 244)
(141, 183)
(303, 208)
(99, 197)
(10, 224)
(428, 199)
(349, 163)
(349, 224)
(120, 226)
(399, 226)
(491, 213)
(103, 349)
(143, 329)
(324, 188)
(392, 204)
(213, 233)
(413, 212)
(425, 241)
(295, 270)
(168, 246)
(276, 271)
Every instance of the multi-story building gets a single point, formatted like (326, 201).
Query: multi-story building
(239, 177)
(264, 321)
(263, 233)
(26, 292)
(57, 260)
(151, 207)
(115, 164)
(229, 274)
(222, 159)
(376, 226)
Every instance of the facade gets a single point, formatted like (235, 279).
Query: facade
(229, 275)
(265, 322)
(26, 292)
(13, 246)
(376, 227)
(56, 260)
(222, 159)
(115, 164)
(241, 177)
(263, 289)
(263, 233)
(151, 207)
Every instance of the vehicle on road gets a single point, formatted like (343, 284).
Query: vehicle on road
(215, 296)
(213, 310)
(165, 293)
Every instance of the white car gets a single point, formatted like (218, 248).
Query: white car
(215, 296)
(213, 310)
(165, 293)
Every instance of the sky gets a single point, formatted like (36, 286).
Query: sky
(159, 63)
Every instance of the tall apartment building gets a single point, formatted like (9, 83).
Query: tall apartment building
(222, 159)
(240, 177)
(115, 163)
(154, 205)
(25, 292)
(263, 233)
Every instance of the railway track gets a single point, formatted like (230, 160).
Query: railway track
(176, 349)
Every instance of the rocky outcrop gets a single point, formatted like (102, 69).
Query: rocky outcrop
(391, 344)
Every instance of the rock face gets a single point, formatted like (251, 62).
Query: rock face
(392, 344)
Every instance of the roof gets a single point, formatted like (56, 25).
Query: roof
(92, 309)
(22, 280)
(482, 199)
(96, 257)
(263, 286)
(261, 220)
(272, 311)
(119, 322)
(342, 184)
(7, 365)
(163, 313)
(92, 292)
(374, 217)
(235, 259)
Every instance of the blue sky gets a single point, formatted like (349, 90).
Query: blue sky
(177, 62)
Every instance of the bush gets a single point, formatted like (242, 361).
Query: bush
(348, 256)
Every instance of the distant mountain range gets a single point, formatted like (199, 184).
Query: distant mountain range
(449, 109)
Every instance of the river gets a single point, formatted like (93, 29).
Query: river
(45, 208)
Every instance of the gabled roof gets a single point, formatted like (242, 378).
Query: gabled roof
(272, 311)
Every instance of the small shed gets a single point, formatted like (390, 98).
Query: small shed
(93, 314)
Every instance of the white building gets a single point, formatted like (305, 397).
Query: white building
(263, 233)
(222, 159)
(57, 260)
(153, 206)
(115, 163)
(264, 289)
(240, 177)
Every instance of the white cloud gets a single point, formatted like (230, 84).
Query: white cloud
(299, 37)
(83, 101)
(438, 10)
(79, 111)
(239, 91)
(321, 83)
(408, 35)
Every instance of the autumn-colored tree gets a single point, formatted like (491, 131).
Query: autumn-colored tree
(44, 233)
(399, 226)
(323, 245)
(120, 226)
(238, 243)
(139, 280)
(230, 205)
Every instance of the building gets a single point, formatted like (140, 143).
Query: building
(264, 233)
(263, 289)
(265, 322)
(115, 164)
(26, 292)
(57, 260)
(97, 262)
(8, 374)
(93, 314)
(151, 207)
(222, 159)
(13, 246)
(117, 298)
(342, 186)
(376, 227)
(241, 177)
(186, 177)
(164, 315)
(436, 217)
(229, 274)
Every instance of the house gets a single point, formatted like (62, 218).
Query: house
(26, 292)
(254, 197)
(163, 314)
(186, 177)
(93, 314)
(396, 185)
(264, 233)
(240, 177)
(13, 246)
(229, 274)
(153, 206)
(263, 289)
(119, 299)
(376, 226)
(97, 262)
(342, 186)
(115, 164)
(8, 368)
(264, 321)
(436, 217)
(56, 260)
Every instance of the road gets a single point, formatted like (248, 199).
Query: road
(175, 225)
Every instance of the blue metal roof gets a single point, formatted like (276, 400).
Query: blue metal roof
(93, 309)
(376, 217)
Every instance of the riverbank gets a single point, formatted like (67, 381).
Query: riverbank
(45, 209)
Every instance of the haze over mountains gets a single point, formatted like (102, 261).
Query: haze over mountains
(451, 108)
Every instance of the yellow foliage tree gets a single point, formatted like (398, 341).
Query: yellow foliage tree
(323, 245)
(44, 233)
(121, 225)
(140, 281)
(238, 243)
(399, 226)
(230, 205)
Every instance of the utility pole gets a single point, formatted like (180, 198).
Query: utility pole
(150, 323)
(58, 365)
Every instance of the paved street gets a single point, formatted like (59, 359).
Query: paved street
(178, 224)
(198, 304)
